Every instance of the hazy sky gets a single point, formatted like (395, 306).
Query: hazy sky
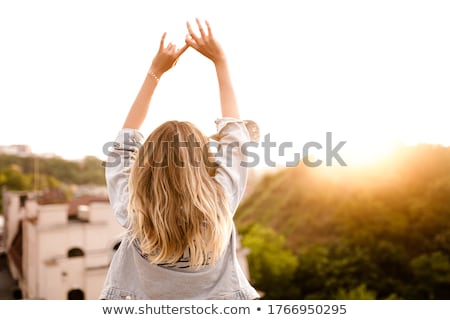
(374, 73)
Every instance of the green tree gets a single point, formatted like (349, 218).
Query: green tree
(13, 178)
(272, 265)
(358, 293)
(91, 171)
(432, 272)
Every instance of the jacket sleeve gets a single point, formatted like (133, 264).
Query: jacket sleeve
(233, 138)
(121, 157)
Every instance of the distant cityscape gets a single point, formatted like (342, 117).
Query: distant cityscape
(24, 150)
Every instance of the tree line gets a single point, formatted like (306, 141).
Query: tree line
(29, 173)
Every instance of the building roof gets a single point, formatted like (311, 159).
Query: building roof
(52, 196)
(84, 200)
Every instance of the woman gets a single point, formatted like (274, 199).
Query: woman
(176, 201)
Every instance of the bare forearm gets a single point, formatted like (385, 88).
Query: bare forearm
(165, 58)
(139, 109)
(228, 100)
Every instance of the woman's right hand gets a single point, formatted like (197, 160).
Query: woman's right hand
(206, 44)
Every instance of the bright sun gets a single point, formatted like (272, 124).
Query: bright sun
(362, 151)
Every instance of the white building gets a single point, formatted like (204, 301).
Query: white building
(56, 255)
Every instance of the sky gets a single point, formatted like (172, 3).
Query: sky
(373, 73)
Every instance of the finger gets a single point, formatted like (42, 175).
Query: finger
(191, 32)
(200, 27)
(209, 28)
(190, 42)
(182, 50)
(173, 50)
(170, 46)
(161, 44)
(178, 53)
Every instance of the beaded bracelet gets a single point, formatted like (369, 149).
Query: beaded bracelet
(153, 75)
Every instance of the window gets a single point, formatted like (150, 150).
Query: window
(23, 200)
(75, 294)
(75, 252)
(116, 246)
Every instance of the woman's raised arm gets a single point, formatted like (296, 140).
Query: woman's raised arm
(207, 45)
(165, 58)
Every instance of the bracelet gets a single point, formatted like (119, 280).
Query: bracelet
(153, 75)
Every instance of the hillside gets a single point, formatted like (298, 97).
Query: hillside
(392, 219)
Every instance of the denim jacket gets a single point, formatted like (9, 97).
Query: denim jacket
(131, 275)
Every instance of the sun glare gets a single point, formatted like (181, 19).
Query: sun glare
(363, 152)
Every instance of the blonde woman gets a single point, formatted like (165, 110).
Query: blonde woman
(176, 200)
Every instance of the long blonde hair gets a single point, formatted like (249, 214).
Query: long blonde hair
(175, 204)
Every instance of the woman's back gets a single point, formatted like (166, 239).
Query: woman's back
(175, 200)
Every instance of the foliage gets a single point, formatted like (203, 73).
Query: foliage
(358, 293)
(18, 173)
(87, 171)
(381, 231)
(272, 265)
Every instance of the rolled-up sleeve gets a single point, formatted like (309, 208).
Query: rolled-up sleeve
(121, 157)
(233, 137)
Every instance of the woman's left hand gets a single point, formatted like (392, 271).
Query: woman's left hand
(166, 57)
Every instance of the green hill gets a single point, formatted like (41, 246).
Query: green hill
(381, 231)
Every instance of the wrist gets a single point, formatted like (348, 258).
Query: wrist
(155, 75)
(220, 61)
(221, 66)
